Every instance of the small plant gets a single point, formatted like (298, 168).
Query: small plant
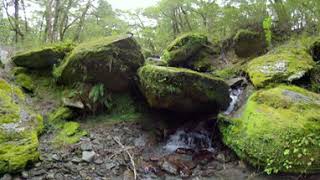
(98, 97)
(267, 25)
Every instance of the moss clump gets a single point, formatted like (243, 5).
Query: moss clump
(192, 51)
(282, 65)
(43, 58)
(25, 81)
(248, 43)
(19, 129)
(70, 133)
(315, 79)
(183, 90)
(112, 61)
(279, 130)
(66, 132)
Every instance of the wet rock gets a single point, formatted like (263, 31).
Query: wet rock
(98, 161)
(111, 61)
(169, 168)
(88, 156)
(183, 90)
(110, 165)
(237, 82)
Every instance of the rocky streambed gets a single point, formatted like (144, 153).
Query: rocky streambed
(99, 111)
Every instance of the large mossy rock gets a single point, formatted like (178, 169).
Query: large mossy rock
(281, 65)
(19, 129)
(112, 61)
(249, 44)
(315, 50)
(192, 51)
(315, 78)
(43, 58)
(279, 130)
(183, 90)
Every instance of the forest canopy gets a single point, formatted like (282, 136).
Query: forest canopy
(35, 22)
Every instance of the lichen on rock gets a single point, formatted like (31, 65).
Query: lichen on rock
(19, 130)
(43, 58)
(112, 61)
(278, 130)
(282, 65)
(183, 90)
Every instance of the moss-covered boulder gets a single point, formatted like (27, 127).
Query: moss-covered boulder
(19, 129)
(279, 130)
(42, 58)
(112, 61)
(183, 90)
(315, 78)
(192, 51)
(249, 43)
(281, 65)
(315, 50)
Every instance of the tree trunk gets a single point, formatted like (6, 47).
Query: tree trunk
(56, 20)
(48, 14)
(81, 21)
(64, 20)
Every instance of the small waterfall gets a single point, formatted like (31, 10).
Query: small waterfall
(189, 140)
(234, 95)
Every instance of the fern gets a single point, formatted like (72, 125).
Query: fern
(97, 93)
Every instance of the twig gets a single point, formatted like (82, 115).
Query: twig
(125, 149)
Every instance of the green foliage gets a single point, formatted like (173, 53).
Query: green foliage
(267, 25)
(97, 92)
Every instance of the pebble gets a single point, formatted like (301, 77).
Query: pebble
(25, 174)
(76, 160)
(56, 157)
(88, 156)
(87, 146)
(6, 177)
(170, 168)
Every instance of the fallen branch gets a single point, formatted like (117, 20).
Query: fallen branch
(126, 149)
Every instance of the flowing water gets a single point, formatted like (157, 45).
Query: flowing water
(193, 140)
(234, 95)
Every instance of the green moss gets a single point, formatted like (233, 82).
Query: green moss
(25, 81)
(112, 61)
(249, 43)
(19, 70)
(191, 51)
(284, 64)
(57, 117)
(69, 134)
(19, 128)
(181, 89)
(278, 130)
(315, 79)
